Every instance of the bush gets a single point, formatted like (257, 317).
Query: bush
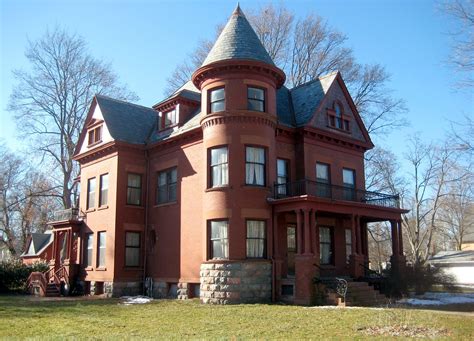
(14, 274)
(423, 278)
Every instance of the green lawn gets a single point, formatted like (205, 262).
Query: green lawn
(23, 316)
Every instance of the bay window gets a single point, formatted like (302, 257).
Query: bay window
(255, 99)
(255, 239)
(217, 100)
(219, 247)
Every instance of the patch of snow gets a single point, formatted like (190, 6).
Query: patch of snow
(438, 298)
(128, 300)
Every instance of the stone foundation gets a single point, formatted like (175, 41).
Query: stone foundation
(232, 282)
(160, 289)
(184, 291)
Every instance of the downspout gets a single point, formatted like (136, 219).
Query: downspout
(145, 238)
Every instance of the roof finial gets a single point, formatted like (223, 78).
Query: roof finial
(238, 11)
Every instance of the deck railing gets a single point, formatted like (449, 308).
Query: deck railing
(70, 214)
(334, 192)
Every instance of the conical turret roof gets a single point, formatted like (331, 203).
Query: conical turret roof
(238, 40)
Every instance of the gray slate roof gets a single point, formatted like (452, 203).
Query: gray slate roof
(238, 40)
(136, 124)
(127, 122)
(452, 257)
(38, 242)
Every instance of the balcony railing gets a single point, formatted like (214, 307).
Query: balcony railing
(334, 192)
(70, 214)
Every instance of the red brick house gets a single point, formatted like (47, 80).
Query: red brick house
(234, 189)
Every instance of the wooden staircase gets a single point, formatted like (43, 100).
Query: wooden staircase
(52, 290)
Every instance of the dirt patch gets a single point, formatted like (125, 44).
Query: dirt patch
(404, 331)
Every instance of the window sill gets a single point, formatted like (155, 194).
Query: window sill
(256, 187)
(89, 210)
(218, 189)
(339, 129)
(89, 268)
(94, 144)
(103, 207)
(101, 269)
(166, 204)
(135, 206)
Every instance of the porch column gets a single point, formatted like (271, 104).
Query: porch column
(276, 250)
(400, 238)
(299, 233)
(312, 230)
(354, 235)
(358, 235)
(366, 240)
(307, 234)
(395, 246)
(69, 245)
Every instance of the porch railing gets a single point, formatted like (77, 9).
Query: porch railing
(334, 192)
(70, 214)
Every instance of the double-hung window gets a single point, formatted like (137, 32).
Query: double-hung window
(95, 135)
(91, 193)
(132, 248)
(282, 177)
(323, 182)
(326, 244)
(217, 100)
(348, 178)
(134, 189)
(167, 180)
(255, 99)
(219, 239)
(255, 239)
(89, 247)
(101, 250)
(219, 167)
(104, 189)
(255, 166)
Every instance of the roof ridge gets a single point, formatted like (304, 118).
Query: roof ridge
(124, 102)
(315, 79)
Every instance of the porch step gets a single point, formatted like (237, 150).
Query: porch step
(52, 290)
(359, 294)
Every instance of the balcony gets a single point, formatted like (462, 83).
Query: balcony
(334, 192)
(70, 214)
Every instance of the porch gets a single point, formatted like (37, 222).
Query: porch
(64, 262)
(320, 231)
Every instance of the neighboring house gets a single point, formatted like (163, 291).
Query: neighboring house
(468, 240)
(458, 264)
(233, 189)
(39, 248)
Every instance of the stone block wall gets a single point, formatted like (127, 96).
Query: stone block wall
(233, 282)
(160, 289)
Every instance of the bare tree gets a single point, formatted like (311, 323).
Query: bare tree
(457, 211)
(51, 99)
(434, 169)
(462, 52)
(307, 48)
(26, 199)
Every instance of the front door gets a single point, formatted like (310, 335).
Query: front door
(291, 249)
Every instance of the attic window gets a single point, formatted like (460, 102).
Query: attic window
(337, 119)
(169, 118)
(95, 135)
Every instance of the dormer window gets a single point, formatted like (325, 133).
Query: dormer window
(170, 118)
(337, 119)
(95, 135)
(217, 100)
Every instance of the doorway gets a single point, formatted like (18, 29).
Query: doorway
(291, 249)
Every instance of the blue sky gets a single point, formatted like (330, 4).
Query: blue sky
(144, 40)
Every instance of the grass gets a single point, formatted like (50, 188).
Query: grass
(26, 317)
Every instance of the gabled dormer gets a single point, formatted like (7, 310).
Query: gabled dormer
(174, 111)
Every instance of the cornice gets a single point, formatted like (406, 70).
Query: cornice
(238, 65)
(239, 117)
